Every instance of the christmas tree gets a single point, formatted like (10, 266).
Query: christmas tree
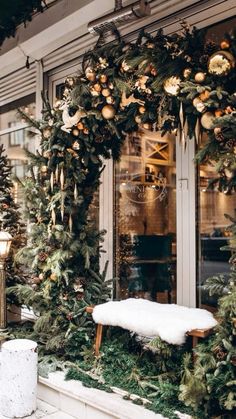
(10, 221)
(62, 253)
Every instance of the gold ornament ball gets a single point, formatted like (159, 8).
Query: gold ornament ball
(110, 100)
(108, 112)
(224, 44)
(171, 85)
(207, 120)
(142, 109)
(90, 75)
(221, 63)
(217, 130)
(75, 132)
(106, 92)
(146, 125)
(199, 77)
(97, 87)
(138, 120)
(187, 72)
(218, 113)
(80, 125)
(103, 78)
(196, 101)
(204, 95)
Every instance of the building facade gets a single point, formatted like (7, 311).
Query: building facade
(164, 228)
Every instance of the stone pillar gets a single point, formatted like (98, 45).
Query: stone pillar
(18, 378)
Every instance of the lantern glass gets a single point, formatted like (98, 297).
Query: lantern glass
(5, 244)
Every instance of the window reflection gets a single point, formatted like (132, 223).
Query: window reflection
(145, 217)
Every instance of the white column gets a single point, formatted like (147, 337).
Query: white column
(18, 378)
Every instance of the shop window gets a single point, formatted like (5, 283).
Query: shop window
(145, 218)
(16, 137)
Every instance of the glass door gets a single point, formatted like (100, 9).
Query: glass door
(145, 218)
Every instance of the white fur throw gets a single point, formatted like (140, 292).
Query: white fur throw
(168, 321)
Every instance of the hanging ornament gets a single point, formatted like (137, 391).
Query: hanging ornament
(141, 83)
(75, 132)
(76, 145)
(110, 100)
(187, 72)
(197, 131)
(224, 44)
(70, 223)
(85, 131)
(138, 120)
(108, 112)
(218, 134)
(106, 92)
(221, 63)
(62, 179)
(90, 74)
(70, 121)
(204, 95)
(102, 62)
(142, 110)
(41, 276)
(53, 215)
(75, 192)
(198, 104)
(80, 125)
(97, 87)
(147, 126)
(126, 101)
(52, 181)
(103, 78)
(199, 77)
(57, 173)
(219, 112)
(207, 120)
(172, 85)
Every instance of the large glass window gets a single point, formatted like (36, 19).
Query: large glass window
(17, 136)
(145, 218)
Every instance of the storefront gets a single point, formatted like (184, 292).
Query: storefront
(164, 228)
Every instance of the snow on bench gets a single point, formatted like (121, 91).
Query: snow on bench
(171, 322)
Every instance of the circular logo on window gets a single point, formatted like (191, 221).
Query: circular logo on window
(144, 187)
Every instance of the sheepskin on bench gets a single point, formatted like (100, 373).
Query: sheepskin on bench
(171, 322)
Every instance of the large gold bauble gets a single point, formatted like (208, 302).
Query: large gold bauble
(207, 120)
(138, 120)
(221, 63)
(171, 85)
(199, 77)
(80, 125)
(108, 112)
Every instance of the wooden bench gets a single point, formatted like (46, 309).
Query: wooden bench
(196, 333)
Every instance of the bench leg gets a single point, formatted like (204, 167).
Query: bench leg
(98, 339)
(194, 344)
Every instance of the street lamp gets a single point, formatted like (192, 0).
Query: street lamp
(5, 244)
